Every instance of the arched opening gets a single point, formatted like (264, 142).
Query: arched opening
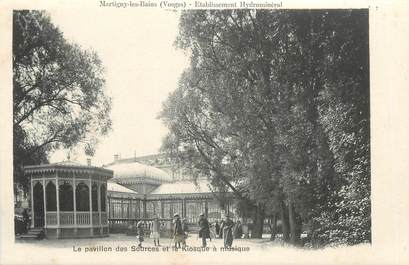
(82, 197)
(103, 201)
(94, 197)
(38, 205)
(66, 197)
(51, 197)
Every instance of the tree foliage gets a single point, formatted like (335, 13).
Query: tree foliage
(275, 107)
(58, 96)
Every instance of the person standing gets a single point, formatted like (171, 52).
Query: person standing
(217, 228)
(204, 230)
(140, 232)
(238, 231)
(26, 221)
(185, 233)
(221, 229)
(227, 232)
(155, 231)
(177, 230)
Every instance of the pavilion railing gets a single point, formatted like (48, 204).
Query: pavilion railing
(104, 218)
(83, 218)
(95, 218)
(128, 225)
(51, 218)
(66, 218)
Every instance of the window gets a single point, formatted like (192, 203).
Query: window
(94, 197)
(152, 209)
(82, 197)
(214, 211)
(193, 210)
(51, 197)
(66, 197)
(103, 199)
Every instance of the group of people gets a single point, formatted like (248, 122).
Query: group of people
(155, 227)
(179, 231)
(237, 229)
(227, 230)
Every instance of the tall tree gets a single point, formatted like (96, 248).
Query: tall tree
(58, 92)
(255, 111)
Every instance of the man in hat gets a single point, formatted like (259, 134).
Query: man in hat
(178, 235)
(227, 231)
(204, 230)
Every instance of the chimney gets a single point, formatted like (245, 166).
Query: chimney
(116, 156)
(89, 162)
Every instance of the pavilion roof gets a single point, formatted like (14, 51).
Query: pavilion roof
(66, 166)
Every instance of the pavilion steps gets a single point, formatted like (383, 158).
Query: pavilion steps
(34, 233)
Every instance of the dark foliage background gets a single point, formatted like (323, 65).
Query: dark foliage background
(58, 93)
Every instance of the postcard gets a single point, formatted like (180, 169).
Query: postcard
(204, 132)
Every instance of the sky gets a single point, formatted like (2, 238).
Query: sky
(142, 68)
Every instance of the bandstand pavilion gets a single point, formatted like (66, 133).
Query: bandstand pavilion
(69, 200)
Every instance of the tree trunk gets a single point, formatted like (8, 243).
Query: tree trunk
(285, 222)
(273, 227)
(294, 225)
(258, 221)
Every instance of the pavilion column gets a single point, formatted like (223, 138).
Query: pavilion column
(90, 206)
(130, 209)
(206, 209)
(106, 209)
(184, 207)
(45, 204)
(159, 209)
(122, 208)
(74, 201)
(144, 207)
(32, 203)
(99, 207)
(58, 204)
(110, 208)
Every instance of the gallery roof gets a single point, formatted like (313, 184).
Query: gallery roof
(183, 187)
(112, 186)
(138, 173)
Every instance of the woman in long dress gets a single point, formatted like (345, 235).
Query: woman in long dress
(140, 232)
(178, 234)
(155, 231)
(227, 232)
(185, 231)
(238, 231)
